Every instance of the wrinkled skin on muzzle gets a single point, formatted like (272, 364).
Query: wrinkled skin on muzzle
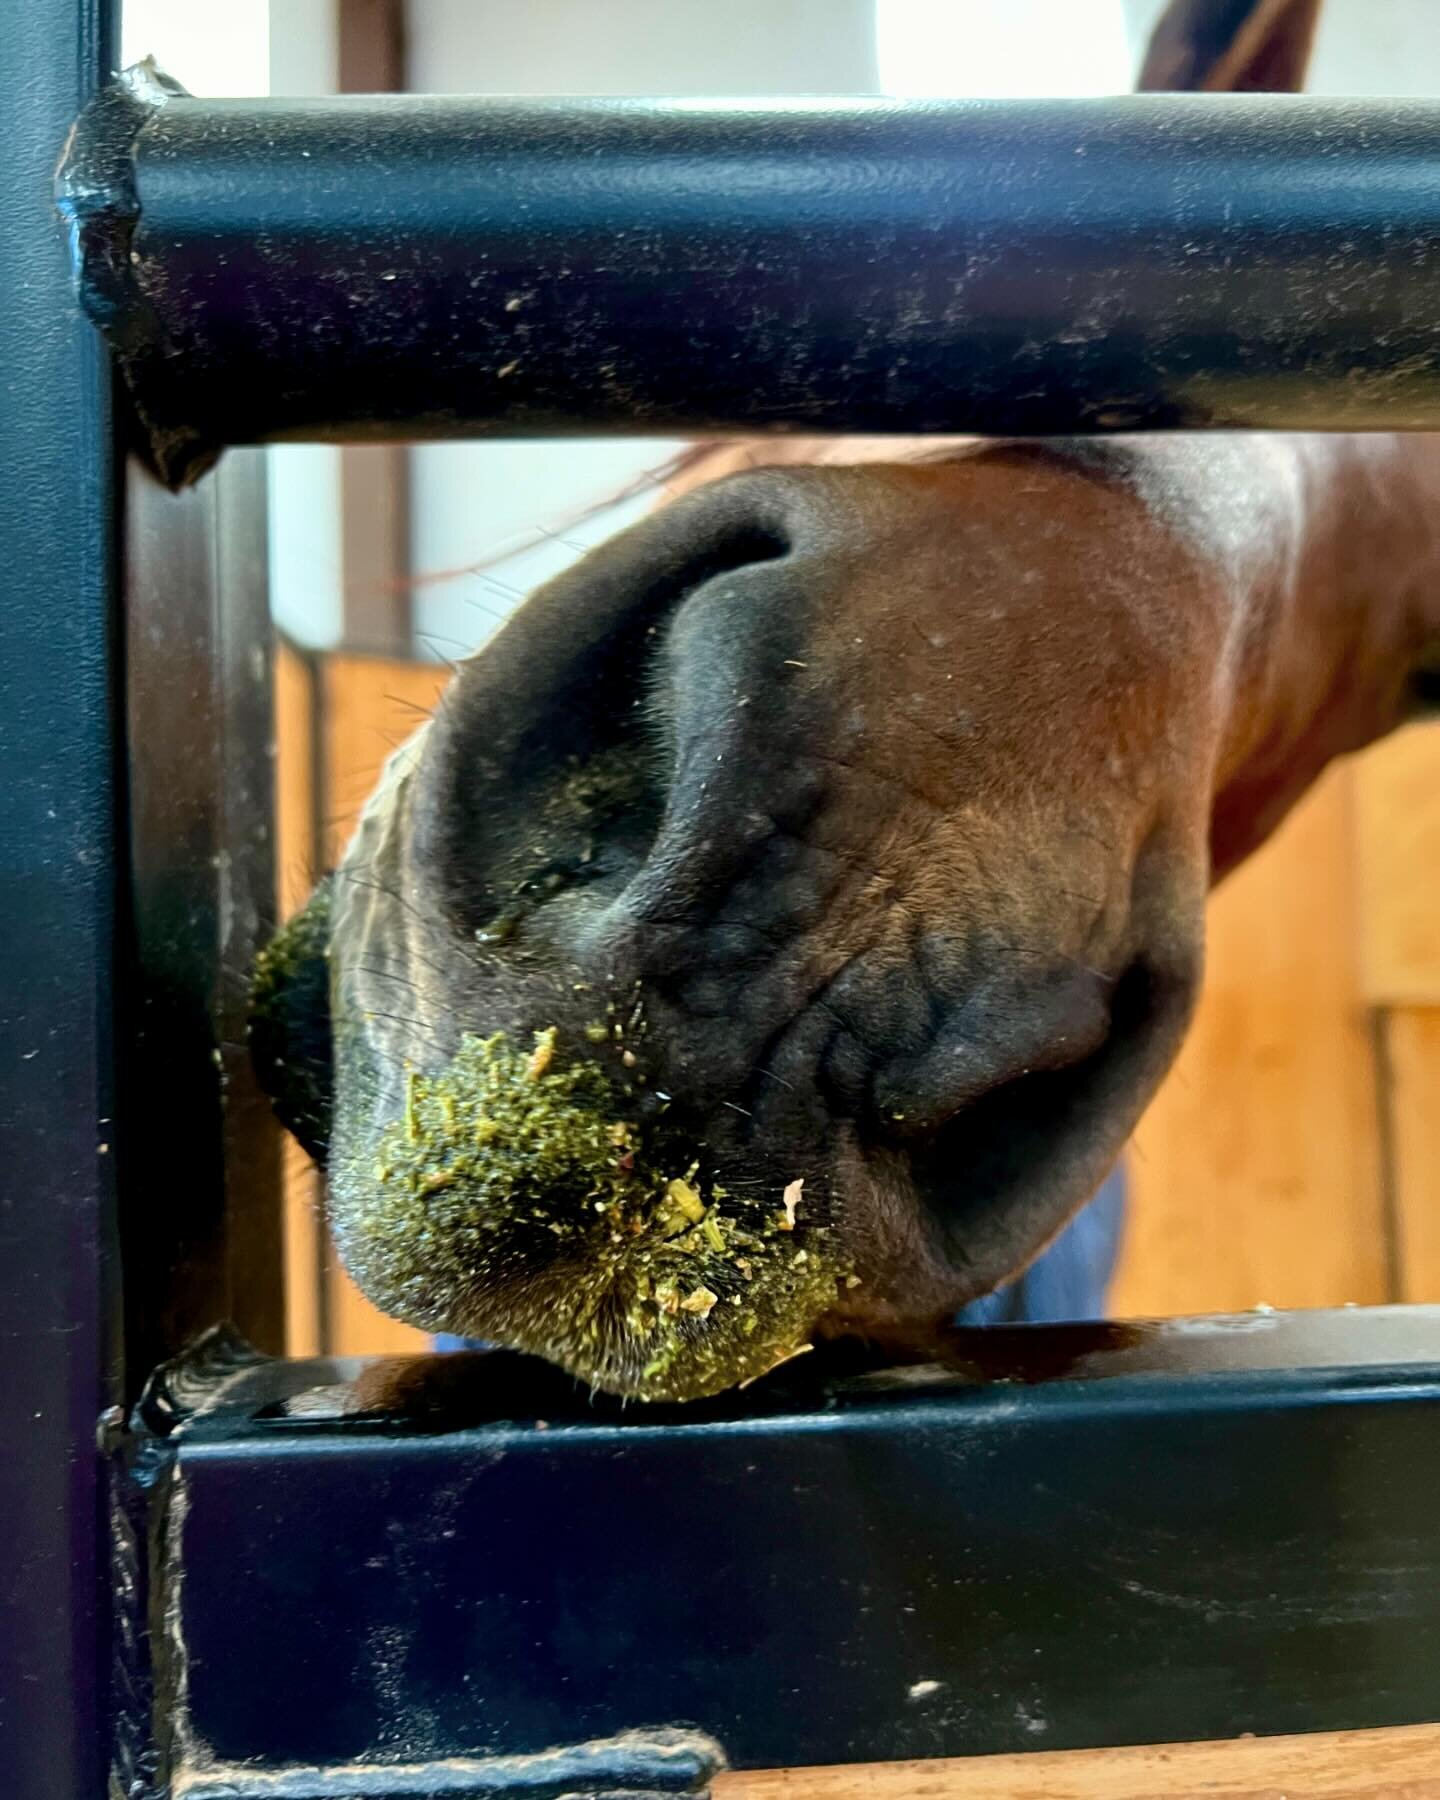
(787, 916)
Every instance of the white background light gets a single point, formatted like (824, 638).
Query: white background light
(1009, 50)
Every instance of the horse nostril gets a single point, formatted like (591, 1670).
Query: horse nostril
(990, 1042)
(570, 693)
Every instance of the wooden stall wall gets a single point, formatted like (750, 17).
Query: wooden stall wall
(1292, 1158)
(1397, 869)
(1257, 1175)
(337, 718)
(1401, 1764)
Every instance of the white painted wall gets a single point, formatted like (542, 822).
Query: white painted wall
(1378, 47)
(210, 49)
(241, 49)
(306, 557)
(679, 47)
(1015, 50)
(469, 502)
(1054, 47)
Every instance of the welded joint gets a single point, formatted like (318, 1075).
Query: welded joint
(97, 197)
(156, 1752)
(636, 1765)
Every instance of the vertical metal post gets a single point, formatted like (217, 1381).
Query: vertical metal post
(58, 974)
(200, 1219)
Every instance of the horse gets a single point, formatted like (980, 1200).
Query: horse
(787, 916)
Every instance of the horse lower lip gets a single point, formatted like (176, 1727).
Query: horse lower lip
(515, 1199)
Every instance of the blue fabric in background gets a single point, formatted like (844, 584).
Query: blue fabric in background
(1069, 1283)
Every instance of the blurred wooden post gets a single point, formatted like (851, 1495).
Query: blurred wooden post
(374, 478)
(1398, 873)
(337, 718)
(1256, 1172)
(297, 859)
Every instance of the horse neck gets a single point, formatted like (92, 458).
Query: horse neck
(1335, 597)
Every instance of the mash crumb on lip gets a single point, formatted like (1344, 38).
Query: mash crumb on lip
(514, 1199)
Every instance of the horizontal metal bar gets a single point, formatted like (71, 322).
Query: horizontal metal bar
(1032, 1538)
(423, 267)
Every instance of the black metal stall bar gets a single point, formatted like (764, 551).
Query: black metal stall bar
(442, 268)
(436, 1570)
(61, 795)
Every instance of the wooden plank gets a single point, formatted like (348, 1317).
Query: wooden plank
(295, 836)
(370, 705)
(295, 842)
(353, 1327)
(375, 547)
(1412, 1037)
(1397, 814)
(304, 1242)
(1256, 1171)
(1401, 1764)
(374, 478)
(371, 48)
(326, 765)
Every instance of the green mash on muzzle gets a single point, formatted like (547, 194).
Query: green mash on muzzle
(514, 1194)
